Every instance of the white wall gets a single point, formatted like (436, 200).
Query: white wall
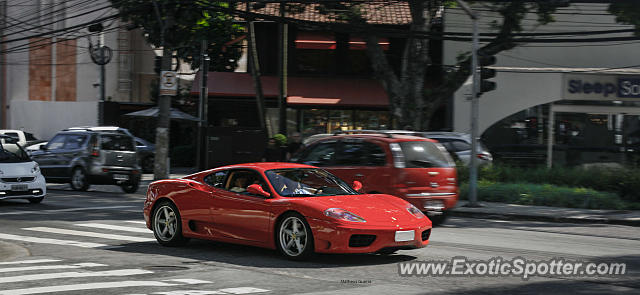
(522, 86)
(45, 118)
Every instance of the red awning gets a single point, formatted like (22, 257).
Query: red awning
(327, 41)
(301, 91)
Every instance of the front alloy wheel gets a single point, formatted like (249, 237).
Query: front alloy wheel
(167, 226)
(79, 181)
(295, 239)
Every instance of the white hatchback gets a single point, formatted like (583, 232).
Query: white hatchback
(20, 177)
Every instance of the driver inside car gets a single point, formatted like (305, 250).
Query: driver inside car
(239, 185)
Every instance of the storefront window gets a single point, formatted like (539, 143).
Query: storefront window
(372, 120)
(313, 121)
(340, 120)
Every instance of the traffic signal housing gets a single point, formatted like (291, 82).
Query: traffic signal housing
(486, 60)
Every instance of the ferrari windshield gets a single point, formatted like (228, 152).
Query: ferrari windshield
(307, 182)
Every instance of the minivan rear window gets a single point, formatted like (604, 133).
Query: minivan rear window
(114, 142)
(425, 154)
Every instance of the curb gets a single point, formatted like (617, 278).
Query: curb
(514, 216)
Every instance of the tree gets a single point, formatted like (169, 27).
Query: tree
(193, 21)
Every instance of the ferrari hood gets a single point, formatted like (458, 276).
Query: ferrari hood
(373, 208)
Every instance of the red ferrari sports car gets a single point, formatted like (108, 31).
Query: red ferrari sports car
(297, 209)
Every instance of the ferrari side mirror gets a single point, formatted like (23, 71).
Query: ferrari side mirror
(357, 185)
(256, 189)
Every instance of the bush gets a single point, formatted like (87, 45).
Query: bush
(624, 182)
(546, 195)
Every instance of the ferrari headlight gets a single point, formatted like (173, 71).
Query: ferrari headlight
(415, 211)
(35, 169)
(342, 214)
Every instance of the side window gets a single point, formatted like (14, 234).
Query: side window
(319, 155)
(375, 155)
(57, 142)
(116, 142)
(352, 154)
(216, 179)
(75, 141)
(239, 180)
(13, 134)
(459, 145)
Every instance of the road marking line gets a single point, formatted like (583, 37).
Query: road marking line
(51, 241)
(136, 221)
(243, 290)
(116, 227)
(89, 286)
(189, 281)
(46, 267)
(34, 261)
(74, 274)
(64, 210)
(88, 234)
(187, 292)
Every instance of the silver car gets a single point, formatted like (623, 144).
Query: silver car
(459, 145)
(85, 157)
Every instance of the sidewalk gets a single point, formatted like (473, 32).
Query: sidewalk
(175, 173)
(554, 214)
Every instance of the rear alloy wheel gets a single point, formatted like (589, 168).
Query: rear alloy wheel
(79, 181)
(36, 200)
(294, 238)
(131, 187)
(167, 225)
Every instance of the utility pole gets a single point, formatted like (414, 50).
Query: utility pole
(473, 166)
(3, 70)
(203, 123)
(101, 55)
(161, 165)
(282, 71)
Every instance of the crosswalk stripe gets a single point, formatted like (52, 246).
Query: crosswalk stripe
(136, 221)
(50, 241)
(116, 227)
(243, 290)
(74, 274)
(187, 292)
(46, 267)
(88, 234)
(189, 281)
(64, 210)
(33, 261)
(87, 286)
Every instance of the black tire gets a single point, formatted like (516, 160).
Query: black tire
(166, 238)
(131, 187)
(302, 251)
(36, 200)
(438, 219)
(79, 180)
(147, 164)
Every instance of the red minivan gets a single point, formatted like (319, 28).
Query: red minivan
(416, 169)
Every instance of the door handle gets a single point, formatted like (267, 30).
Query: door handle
(359, 175)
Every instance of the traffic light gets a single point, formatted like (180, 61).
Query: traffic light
(485, 60)
(157, 64)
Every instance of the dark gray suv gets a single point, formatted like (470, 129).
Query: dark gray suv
(84, 157)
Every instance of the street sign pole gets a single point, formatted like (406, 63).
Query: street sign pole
(473, 166)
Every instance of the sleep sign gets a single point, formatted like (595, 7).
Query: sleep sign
(601, 87)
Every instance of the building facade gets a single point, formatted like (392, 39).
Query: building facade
(558, 101)
(50, 81)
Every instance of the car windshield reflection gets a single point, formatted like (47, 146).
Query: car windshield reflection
(307, 182)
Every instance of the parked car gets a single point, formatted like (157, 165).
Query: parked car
(85, 157)
(146, 154)
(20, 176)
(458, 144)
(146, 150)
(34, 147)
(416, 169)
(23, 138)
(297, 209)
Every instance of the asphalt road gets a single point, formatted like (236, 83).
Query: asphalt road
(95, 242)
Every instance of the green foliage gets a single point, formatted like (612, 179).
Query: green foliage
(189, 23)
(624, 182)
(627, 12)
(546, 195)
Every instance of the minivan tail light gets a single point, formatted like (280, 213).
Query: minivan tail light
(486, 157)
(398, 156)
(95, 152)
